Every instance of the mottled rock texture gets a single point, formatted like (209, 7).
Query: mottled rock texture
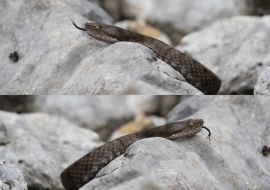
(263, 83)
(11, 178)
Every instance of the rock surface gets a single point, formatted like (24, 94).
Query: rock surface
(236, 49)
(263, 83)
(127, 68)
(233, 159)
(42, 146)
(11, 178)
(56, 58)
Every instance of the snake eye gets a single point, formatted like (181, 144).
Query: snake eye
(96, 27)
(191, 124)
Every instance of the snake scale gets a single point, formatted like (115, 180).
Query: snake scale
(194, 72)
(85, 169)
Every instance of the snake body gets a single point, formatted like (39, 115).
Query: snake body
(85, 169)
(194, 72)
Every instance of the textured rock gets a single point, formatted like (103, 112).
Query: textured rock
(184, 16)
(126, 68)
(236, 49)
(263, 83)
(42, 146)
(56, 58)
(233, 159)
(11, 178)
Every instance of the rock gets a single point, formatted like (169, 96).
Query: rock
(263, 83)
(57, 58)
(42, 146)
(236, 49)
(138, 125)
(239, 126)
(112, 75)
(11, 178)
(184, 16)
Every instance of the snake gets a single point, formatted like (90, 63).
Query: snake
(193, 71)
(85, 169)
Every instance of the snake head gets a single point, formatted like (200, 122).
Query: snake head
(102, 32)
(189, 128)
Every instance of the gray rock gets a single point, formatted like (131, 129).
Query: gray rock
(236, 49)
(179, 17)
(233, 159)
(263, 83)
(57, 58)
(126, 68)
(42, 146)
(11, 178)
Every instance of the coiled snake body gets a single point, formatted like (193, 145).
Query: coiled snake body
(194, 72)
(85, 169)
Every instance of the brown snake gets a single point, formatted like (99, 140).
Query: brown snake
(194, 72)
(85, 169)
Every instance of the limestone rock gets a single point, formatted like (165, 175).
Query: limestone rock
(236, 49)
(263, 83)
(42, 146)
(11, 178)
